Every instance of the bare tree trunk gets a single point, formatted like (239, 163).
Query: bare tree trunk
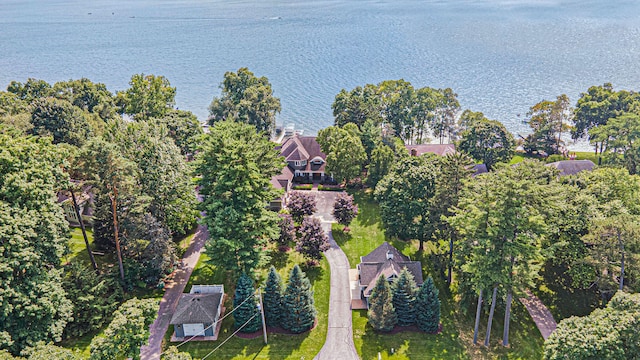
(450, 270)
(493, 308)
(475, 328)
(84, 231)
(114, 199)
(507, 319)
(622, 260)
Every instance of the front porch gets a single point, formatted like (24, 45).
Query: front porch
(357, 301)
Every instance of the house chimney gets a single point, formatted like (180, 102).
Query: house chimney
(389, 255)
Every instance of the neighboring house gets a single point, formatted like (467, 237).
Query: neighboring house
(283, 181)
(198, 313)
(85, 205)
(438, 149)
(572, 167)
(384, 260)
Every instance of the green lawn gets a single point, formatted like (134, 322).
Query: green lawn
(78, 250)
(303, 346)
(455, 341)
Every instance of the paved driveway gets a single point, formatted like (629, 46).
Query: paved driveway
(339, 342)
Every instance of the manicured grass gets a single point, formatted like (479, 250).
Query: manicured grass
(516, 159)
(281, 346)
(78, 250)
(455, 341)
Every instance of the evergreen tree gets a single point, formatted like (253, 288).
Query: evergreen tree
(298, 306)
(382, 315)
(246, 310)
(236, 165)
(427, 307)
(404, 289)
(272, 299)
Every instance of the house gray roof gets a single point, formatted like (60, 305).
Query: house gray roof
(378, 263)
(196, 309)
(572, 167)
(379, 254)
(438, 149)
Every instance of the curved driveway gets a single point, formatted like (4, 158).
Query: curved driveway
(339, 342)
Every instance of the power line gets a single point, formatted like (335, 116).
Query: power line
(230, 336)
(219, 321)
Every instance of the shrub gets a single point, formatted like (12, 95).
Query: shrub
(301, 204)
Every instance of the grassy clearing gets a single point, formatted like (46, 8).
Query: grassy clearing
(455, 341)
(303, 346)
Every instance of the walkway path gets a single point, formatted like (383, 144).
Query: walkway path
(173, 290)
(339, 342)
(540, 314)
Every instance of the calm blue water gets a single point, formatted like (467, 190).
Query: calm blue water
(500, 56)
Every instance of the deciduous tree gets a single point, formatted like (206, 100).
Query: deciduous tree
(405, 199)
(33, 233)
(382, 159)
(344, 209)
(609, 333)
(301, 204)
(345, 153)
(312, 241)
(126, 332)
(246, 98)
(487, 141)
(148, 96)
(287, 230)
(61, 120)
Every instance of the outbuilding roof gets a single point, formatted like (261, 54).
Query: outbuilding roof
(196, 309)
(438, 149)
(572, 167)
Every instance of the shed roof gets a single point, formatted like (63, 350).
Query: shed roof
(572, 167)
(438, 149)
(196, 309)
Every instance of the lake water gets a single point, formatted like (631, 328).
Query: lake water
(500, 56)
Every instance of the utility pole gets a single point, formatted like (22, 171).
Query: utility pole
(264, 324)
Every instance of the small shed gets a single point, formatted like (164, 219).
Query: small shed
(198, 312)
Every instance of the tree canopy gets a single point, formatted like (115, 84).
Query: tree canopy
(149, 96)
(487, 141)
(246, 98)
(236, 165)
(33, 233)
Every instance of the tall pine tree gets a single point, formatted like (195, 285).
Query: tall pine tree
(382, 315)
(245, 311)
(272, 299)
(427, 307)
(298, 306)
(404, 289)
